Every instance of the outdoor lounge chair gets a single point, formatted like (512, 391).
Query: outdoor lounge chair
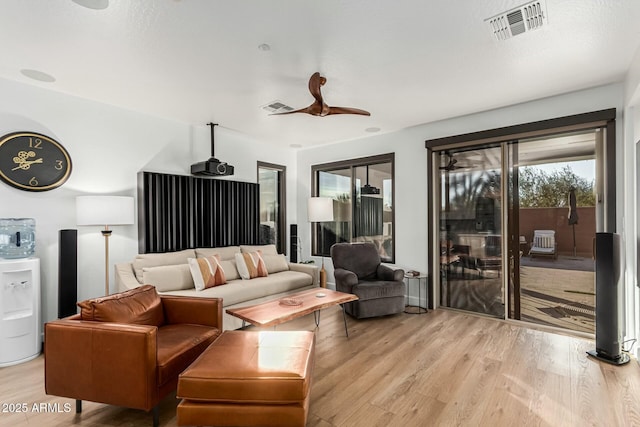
(544, 244)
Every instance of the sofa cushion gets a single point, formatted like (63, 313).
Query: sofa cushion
(275, 263)
(155, 260)
(168, 277)
(265, 249)
(225, 253)
(141, 306)
(206, 272)
(251, 265)
(179, 345)
(283, 281)
(238, 291)
(230, 269)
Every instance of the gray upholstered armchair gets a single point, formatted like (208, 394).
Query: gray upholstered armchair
(358, 271)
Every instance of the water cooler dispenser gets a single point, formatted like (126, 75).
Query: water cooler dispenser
(19, 292)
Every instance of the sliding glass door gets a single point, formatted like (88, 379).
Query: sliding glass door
(552, 223)
(470, 235)
(516, 224)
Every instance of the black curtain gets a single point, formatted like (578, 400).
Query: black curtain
(368, 217)
(177, 212)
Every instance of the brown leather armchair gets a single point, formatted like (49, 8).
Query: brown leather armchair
(128, 349)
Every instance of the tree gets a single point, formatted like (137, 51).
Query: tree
(539, 189)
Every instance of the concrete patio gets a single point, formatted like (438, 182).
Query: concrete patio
(553, 293)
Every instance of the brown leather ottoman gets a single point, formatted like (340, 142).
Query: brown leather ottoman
(249, 378)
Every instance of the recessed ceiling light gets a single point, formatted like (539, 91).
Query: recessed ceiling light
(295, 145)
(372, 130)
(38, 75)
(93, 4)
(264, 47)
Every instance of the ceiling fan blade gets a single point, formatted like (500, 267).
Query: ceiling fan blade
(319, 107)
(308, 110)
(314, 109)
(347, 110)
(315, 81)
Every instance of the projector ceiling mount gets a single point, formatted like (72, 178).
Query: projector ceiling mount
(213, 166)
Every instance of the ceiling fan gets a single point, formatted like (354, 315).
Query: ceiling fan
(452, 164)
(319, 107)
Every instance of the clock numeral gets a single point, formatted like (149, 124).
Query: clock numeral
(33, 182)
(59, 165)
(35, 143)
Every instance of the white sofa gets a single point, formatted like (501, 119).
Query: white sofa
(170, 274)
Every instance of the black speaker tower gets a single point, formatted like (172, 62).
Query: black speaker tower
(608, 300)
(293, 245)
(67, 273)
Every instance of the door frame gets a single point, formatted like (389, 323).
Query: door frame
(605, 119)
(282, 195)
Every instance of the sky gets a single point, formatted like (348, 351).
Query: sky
(583, 168)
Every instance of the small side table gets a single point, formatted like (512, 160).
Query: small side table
(416, 309)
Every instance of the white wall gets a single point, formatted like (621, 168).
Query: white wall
(411, 160)
(631, 138)
(109, 146)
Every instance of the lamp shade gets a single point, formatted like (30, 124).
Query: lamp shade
(320, 209)
(104, 210)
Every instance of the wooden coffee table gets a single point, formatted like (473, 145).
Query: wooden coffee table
(274, 312)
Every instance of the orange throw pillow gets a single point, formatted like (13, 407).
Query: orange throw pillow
(207, 272)
(251, 265)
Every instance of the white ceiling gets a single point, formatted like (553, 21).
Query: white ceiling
(408, 62)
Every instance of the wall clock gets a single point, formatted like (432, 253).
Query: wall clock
(33, 162)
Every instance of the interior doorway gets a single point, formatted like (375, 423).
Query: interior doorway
(516, 223)
(273, 218)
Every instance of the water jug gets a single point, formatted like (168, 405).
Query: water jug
(17, 237)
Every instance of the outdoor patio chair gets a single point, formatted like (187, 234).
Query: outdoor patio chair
(544, 244)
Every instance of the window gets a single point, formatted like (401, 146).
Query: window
(362, 190)
(272, 205)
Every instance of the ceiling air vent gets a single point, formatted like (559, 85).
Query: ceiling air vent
(276, 107)
(517, 21)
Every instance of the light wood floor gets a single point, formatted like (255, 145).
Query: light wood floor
(443, 368)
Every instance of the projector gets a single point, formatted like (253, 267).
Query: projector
(368, 189)
(212, 167)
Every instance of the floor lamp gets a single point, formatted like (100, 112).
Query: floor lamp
(320, 209)
(105, 211)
